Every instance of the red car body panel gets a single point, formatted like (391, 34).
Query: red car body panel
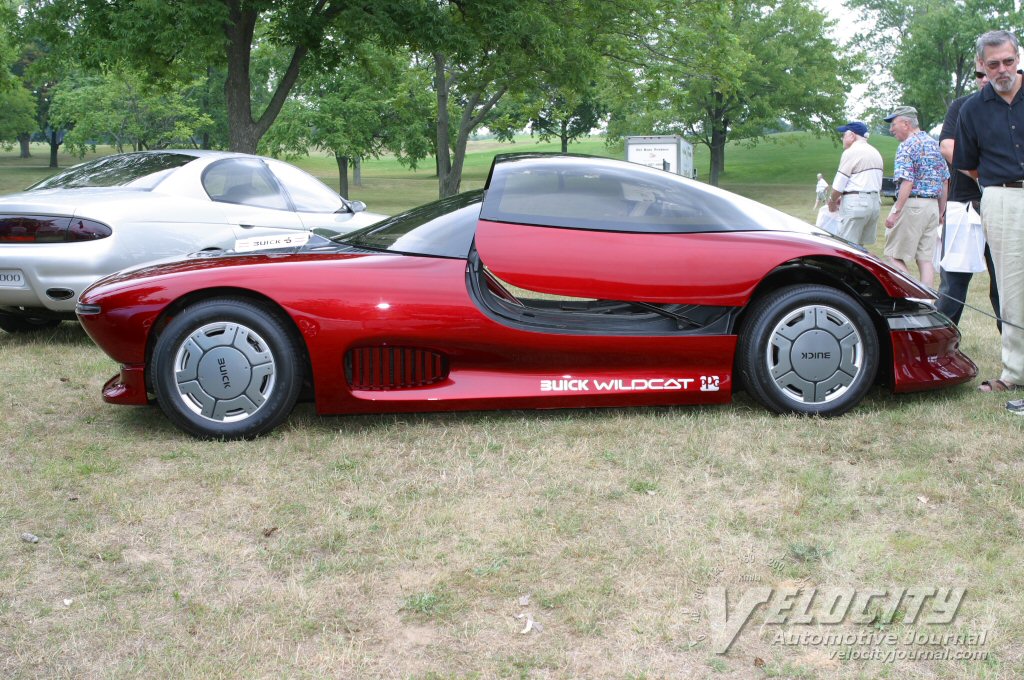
(922, 359)
(709, 269)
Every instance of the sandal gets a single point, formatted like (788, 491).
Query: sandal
(997, 385)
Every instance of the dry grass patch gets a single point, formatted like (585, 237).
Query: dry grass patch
(402, 545)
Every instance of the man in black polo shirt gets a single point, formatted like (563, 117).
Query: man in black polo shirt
(990, 148)
(964, 190)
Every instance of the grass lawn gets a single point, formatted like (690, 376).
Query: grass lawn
(420, 545)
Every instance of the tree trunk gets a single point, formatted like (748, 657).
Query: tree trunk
(244, 133)
(717, 157)
(342, 174)
(444, 159)
(449, 167)
(453, 182)
(205, 144)
(23, 141)
(357, 171)
(55, 142)
(565, 137)
(719, 136)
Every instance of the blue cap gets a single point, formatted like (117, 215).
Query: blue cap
(856, 127)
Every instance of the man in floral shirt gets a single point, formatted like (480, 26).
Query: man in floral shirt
(912, 228)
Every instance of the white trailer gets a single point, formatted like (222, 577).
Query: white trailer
(664, 152)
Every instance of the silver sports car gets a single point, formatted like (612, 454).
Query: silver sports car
(102, 216)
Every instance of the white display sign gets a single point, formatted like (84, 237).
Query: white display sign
(290, 240)
(660, 156)
(663, 152)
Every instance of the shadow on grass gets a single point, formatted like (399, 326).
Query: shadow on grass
(67, 333)
(150, 422)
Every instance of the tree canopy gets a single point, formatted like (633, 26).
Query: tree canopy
(122, 108)
(479, 52)
(732, 71)
(186, 37)
(372, 104)
(923, 52)
(418, 77)
(17, 112)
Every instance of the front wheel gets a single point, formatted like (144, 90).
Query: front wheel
(808, 349)
(227, 369)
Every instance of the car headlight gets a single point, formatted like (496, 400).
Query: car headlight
(915, 314)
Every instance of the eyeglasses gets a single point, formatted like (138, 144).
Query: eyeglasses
(979, 74)
(994, 64)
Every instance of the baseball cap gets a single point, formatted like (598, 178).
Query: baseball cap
(901, 111)
(854, 126)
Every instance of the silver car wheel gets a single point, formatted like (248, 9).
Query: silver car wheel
(814, 354)
(224, 372)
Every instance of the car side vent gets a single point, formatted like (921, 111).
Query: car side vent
(393, 368)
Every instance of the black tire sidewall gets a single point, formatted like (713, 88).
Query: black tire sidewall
(281, 344)
(769, 311)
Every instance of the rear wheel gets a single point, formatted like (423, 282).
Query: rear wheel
(13, 323)
(808, 349)
(227, 369)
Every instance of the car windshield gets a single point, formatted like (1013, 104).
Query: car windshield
(135, 170)
(443, 228)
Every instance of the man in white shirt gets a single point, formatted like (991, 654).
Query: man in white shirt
(820, 192)
(856, 186)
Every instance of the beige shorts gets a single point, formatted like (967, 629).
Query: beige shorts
(915, 233)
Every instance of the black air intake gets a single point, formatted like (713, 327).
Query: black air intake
(393, 368)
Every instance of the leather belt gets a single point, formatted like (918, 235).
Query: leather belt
(1019, 184)
(859, 192)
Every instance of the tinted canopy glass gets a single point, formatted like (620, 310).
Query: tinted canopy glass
(443, 228)
(583, 192)
(136, 170)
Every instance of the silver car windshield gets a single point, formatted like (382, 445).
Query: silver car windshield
(138, 171)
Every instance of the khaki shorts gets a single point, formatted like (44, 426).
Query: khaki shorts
(916, 231)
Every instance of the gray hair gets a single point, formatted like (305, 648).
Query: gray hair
(910, 118)
(995, 39)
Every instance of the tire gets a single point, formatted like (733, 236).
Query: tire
(808, 349)
(227, 368)
(13, 323)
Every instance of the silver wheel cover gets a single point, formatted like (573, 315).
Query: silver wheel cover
(815, 354)
(224, 372)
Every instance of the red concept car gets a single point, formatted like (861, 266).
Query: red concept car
(567, 282)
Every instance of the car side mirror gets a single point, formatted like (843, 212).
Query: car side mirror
(356, 206)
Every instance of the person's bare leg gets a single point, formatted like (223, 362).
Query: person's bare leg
(899, 264)
(927, 272)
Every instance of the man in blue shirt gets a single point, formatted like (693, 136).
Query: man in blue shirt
(912, 228)
(988, 147)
